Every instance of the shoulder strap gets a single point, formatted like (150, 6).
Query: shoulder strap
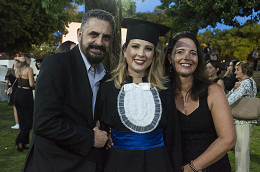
(251, 87)
(14, 82)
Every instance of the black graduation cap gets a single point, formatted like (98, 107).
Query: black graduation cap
(145, 30)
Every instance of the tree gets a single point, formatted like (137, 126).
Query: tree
(157, 16)
(27, 22)
(206, 37)
(236, 43)
(112, 6)
(128, 8)
(41, 51)
(194, 15)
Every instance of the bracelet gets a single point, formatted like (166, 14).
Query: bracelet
(192, 167)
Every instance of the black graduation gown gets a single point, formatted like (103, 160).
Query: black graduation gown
(164, 159)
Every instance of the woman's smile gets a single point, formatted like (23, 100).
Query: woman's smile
(139, 62)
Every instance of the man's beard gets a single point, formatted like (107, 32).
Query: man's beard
(93, 58)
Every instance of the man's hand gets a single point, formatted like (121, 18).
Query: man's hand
(100, 136)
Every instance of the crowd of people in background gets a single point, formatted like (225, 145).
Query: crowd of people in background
(243, 88)
(172, 98)
(210, 53)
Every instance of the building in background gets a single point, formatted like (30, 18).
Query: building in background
(72, 33)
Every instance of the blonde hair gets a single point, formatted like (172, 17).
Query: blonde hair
(153, 72)
(21, 65)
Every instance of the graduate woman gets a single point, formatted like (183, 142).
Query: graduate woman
(136, 104)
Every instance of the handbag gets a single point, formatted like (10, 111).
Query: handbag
(10, 90)
(246, 108)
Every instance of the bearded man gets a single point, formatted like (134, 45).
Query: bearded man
(66, 136)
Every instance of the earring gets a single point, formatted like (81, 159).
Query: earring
(170, 68)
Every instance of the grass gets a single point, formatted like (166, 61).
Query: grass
(254, 152)
(12, 161)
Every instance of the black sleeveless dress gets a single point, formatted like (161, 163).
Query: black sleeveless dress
(216, 80)
(197, 134)
(11, 77)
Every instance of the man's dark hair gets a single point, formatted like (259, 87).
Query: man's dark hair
(99, 14)
(65, 46)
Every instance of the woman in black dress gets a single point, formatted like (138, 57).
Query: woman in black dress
(137, 106)
(213, 70)
(23, 99)
(230, 77)
(207, 128)
(10, 78)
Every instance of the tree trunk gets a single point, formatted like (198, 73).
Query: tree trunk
(115, 8)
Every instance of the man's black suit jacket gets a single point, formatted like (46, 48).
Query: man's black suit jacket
(63, 119)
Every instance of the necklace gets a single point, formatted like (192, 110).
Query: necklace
(183, 96)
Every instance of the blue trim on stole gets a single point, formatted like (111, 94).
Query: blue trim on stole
(135, 141)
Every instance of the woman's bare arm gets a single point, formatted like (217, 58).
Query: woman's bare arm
(224, 125)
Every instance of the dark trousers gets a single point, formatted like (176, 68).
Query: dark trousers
(255, 64)
(23, 100)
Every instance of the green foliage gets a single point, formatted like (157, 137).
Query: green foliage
(197, 14)
(206, 37)
(41, 51)
(78, 17)
(10, 158)
(254, 152)
(55, 6)
(157, 16)
(27, 22)
(128, 8)
(236, 43)
(80, 2)
(258, 94)
(13, 23)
